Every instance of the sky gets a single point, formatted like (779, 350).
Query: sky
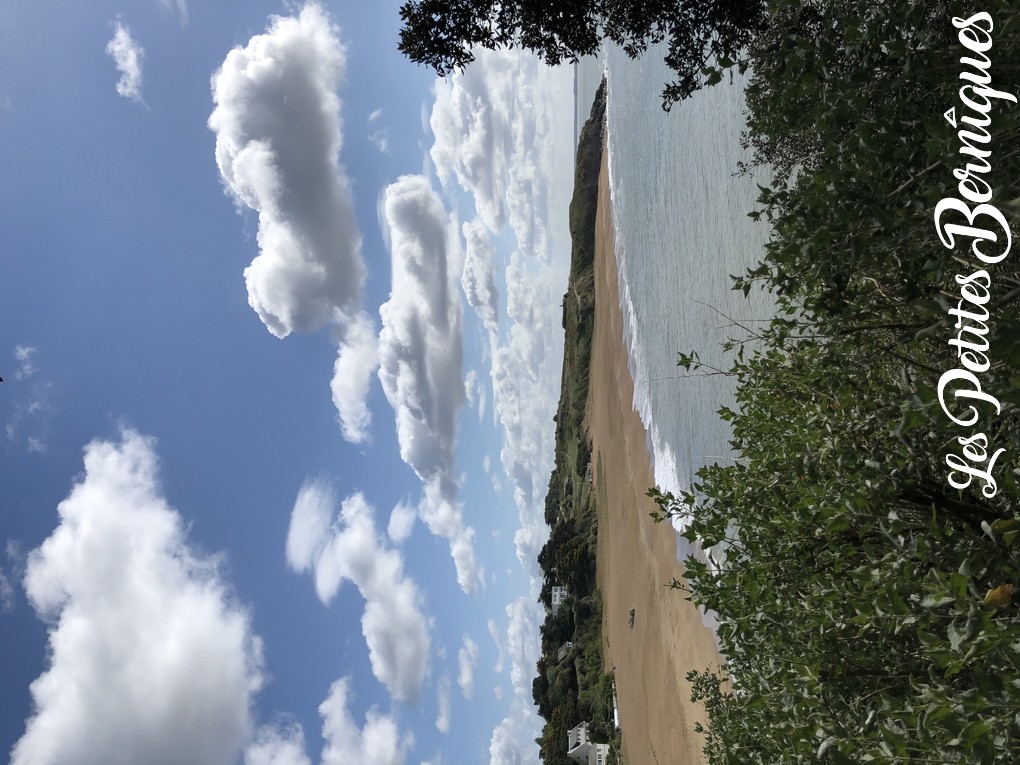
(281, 347)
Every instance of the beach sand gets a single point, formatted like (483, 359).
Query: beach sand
(636, 556)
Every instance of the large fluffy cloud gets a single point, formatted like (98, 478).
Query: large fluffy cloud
(277, 125)
(278, 136)
(350, 548)
(421, 355)
(150, 657)
(420, 346)
(127, 55)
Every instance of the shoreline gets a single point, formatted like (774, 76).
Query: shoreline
(668, 638)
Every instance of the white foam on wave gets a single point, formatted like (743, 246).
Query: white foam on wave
(663, 458)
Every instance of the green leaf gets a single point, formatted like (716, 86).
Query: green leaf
(955, 637)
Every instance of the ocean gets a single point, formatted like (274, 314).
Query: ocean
(680, 212)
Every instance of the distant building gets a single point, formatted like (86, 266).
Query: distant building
(564, 650)
(559, 594)
(583, 751)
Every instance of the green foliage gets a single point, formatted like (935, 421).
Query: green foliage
(865, 605)
(702, 36)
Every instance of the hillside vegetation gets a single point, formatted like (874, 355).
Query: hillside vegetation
(575, 688)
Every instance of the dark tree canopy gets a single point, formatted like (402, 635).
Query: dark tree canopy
(443, 34)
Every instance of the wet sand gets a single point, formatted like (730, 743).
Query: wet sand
(636, 556)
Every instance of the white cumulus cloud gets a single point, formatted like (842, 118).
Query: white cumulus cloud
(445, 517)
(401, 523)
(513, 740)
(356, 362)
(378, 742)
(501, 136)
(127, 55)
(421, 356)
(349, 548)
(151, 659)
(278, 138)
(280, 744)
(478, 279)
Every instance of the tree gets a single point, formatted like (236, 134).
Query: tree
(444, 34)
(865, 605)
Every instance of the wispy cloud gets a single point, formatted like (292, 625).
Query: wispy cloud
(32, 409)
(26, 367)
(443, 705)
(119, 586)
(500, 642)
(6, 593)
(128, 56)
(180, 6)
(380, 136)
(349, 548)
(467, 659)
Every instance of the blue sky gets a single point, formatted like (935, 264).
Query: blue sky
(280, 339)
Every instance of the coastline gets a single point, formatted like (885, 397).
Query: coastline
(636, 557)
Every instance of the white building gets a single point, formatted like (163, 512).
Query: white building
(564, 650)
(559, 594)
(583, 751)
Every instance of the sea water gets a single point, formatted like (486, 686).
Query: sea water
(680, 213)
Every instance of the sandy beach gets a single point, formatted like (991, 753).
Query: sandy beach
(637, 557)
